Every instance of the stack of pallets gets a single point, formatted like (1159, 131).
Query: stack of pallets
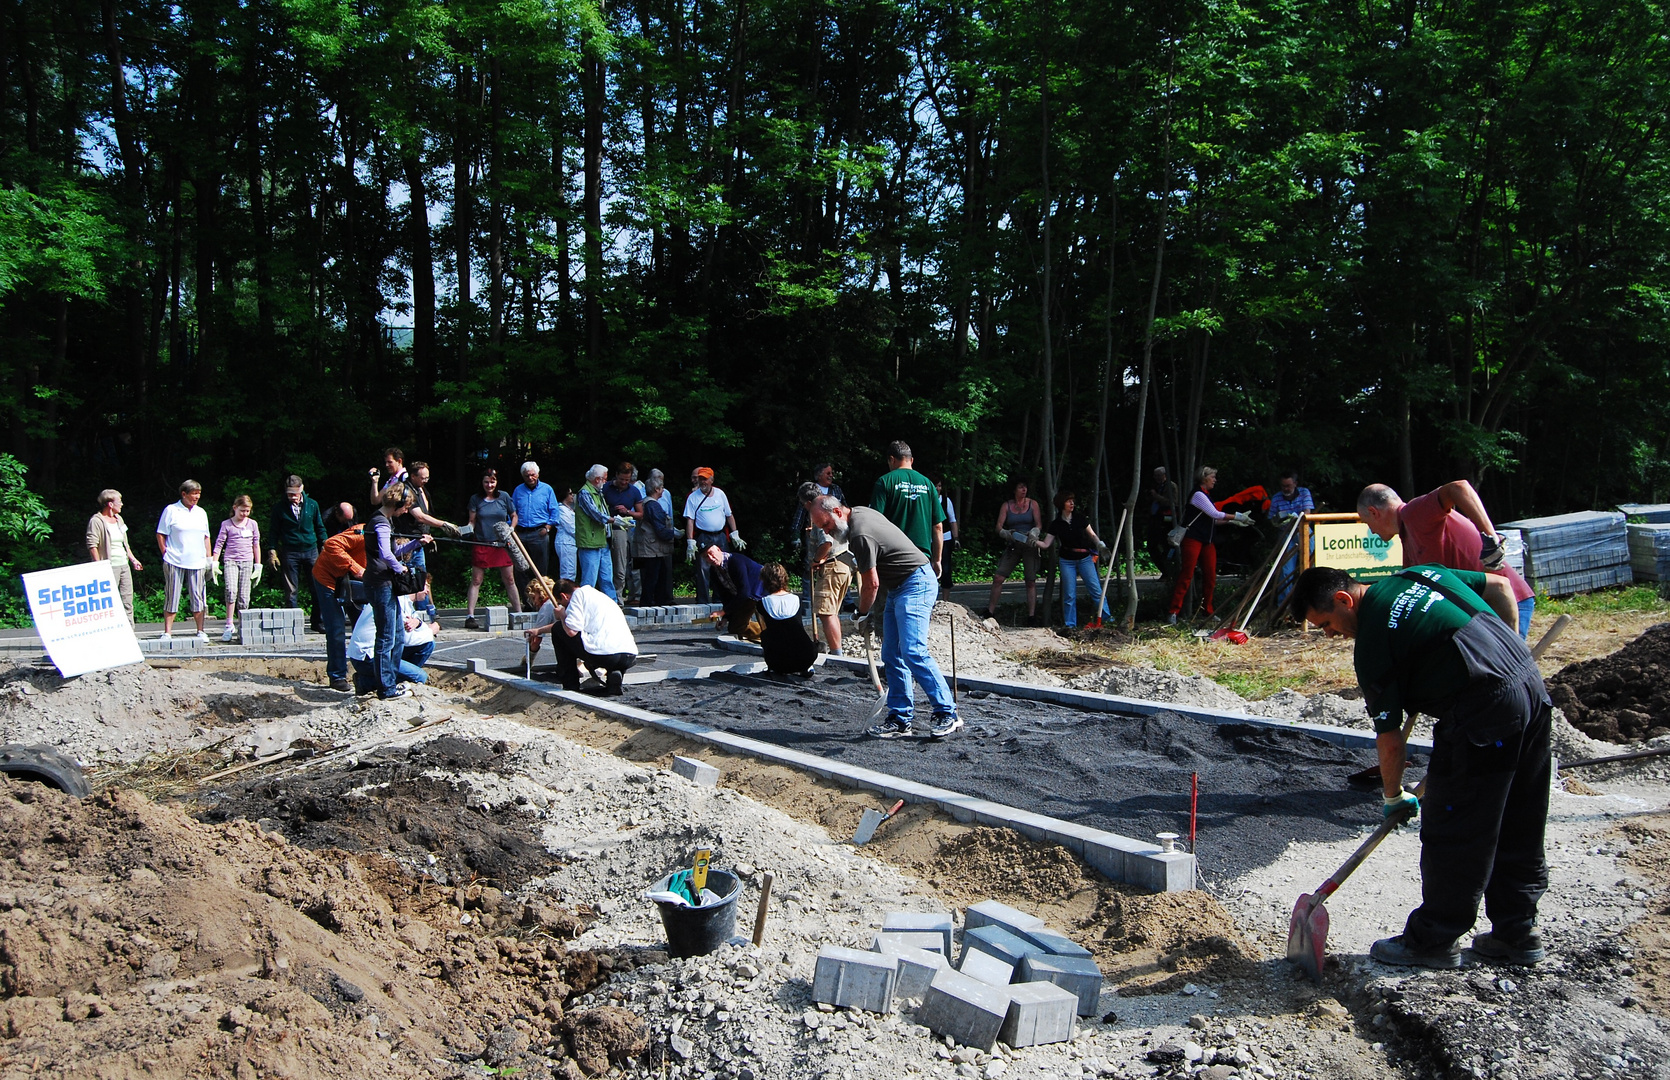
(1571, 553)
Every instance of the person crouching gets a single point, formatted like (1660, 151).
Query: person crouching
(588, 630)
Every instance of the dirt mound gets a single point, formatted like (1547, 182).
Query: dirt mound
(1155, 684)
(1621, 698)
(137, 941)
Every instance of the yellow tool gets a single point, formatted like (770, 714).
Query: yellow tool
(698, 873)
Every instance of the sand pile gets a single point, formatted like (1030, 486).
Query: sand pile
(982, 651)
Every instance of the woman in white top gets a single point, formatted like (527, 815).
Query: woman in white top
(183, 538)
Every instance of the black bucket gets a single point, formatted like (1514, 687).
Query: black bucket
(697, 931)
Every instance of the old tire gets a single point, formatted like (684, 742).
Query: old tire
(44, 765)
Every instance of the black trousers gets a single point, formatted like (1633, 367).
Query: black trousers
(1482, 824)
(655, 573)
(571, 647)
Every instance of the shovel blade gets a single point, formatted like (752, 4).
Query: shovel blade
(867, 826)
(1307, 935)
(1234, 637)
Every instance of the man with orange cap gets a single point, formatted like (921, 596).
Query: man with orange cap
(708, 522)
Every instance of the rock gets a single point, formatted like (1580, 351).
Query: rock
(347, 990)
(1165, 1054)
(681, 1047)
(1217, 1072)
(1330, 1009)
(811, 1019)
(1190, 990)
(1198, 1022)
(1192, 1052)
(598, 1037)
(746, 1072)
(1507, 986)
(996, 1069)
(968, 1071)
(503, 1046)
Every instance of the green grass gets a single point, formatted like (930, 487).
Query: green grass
(1256, 685)
(1625, 598)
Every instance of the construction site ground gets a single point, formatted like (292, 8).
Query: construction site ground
(452, 884)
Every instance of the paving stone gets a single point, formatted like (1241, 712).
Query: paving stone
(1072, 973)
(1055, 944)
(855, 979)
(1039, 1012)
(969, 1011)
(938, 922)
(698, 772)
(916, 939)
(987, 968)
(498, 618)
(995, 913)
(917, 967)
(1007, 947)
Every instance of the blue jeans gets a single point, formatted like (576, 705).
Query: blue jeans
(425, 602)
(597, 570)
(1526, 607)
(904, 646)
(391, 634)
(1071, 571)
(336, 640)
(412, 659)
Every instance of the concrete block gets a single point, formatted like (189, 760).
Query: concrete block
(697, 772)
(498, 618)
(477, 666)
(1075, 974)
(990, 969)
(995, 913)
(938, 922)
(917, 967)
(969, 1011)
(1039, 1012)
(855, 979)
(1055, 944)
(925, 940)
(1007, 947)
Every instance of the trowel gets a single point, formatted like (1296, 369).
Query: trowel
(870, 821)
(1307, 928)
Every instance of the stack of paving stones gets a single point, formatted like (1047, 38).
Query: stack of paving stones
(1016, 980)
(1572, 553)
(182, 642)
(271, 626)
(674, 615)
(1649, 551)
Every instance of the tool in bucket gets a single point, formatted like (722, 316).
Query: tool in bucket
(871, 821)
(685, 887)
(1307, 928)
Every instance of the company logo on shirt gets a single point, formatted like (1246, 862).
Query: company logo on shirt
(911, 490)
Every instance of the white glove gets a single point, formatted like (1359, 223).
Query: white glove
(690, 551)
(1034, 536)
(621, 521)
(214, 572)
(737, 541)
(255, 575)
(1243, 518)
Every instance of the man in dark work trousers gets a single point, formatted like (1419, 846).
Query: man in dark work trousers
(1443, 642)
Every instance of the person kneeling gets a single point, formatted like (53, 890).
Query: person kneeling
(588, 630)
(788, 651)
(417, 643)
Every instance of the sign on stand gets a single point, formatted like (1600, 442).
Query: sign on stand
(1345, 542)
(80, 618)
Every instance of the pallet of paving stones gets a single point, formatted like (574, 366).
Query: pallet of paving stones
(1016, 980)
(1650, 513)
(1562, 548)
(1649, 551)
(1513, 548)
(672, 615)
(1586, 580)
(271, 626)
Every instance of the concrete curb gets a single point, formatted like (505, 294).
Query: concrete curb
(1092, 701)
(1118, 858)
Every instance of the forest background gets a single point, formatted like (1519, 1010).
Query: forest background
(1406, 241)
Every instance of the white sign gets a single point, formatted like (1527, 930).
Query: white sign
(80, 618)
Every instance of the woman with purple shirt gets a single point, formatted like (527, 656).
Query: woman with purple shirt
(237, 548)
(382, 564)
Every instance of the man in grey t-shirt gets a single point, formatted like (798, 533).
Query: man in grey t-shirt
(886, 556)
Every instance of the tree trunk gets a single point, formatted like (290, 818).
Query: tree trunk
(593, 90)
(495, 224)
(424, 360)
(463, 227)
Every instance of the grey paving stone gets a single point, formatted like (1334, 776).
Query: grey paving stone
(996, 913)
(917, 967)
(928, 940)
(989, 969)
(698, 772)
(969, 1011)
(938, 922)
(1055, 944)
(855, 979)
(1074, 974)
(1039, 1012)
(1007, 947)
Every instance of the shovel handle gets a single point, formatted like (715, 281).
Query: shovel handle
(759, 916)
(1549, 637)
(1364, 850)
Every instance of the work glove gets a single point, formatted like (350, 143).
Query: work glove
(1102, 548)
(214, 572)
(690, 551)
(622, 521)
(448, 529)
(1243, 518)
(737, 541)
(255, 576)
(272, 559)
(1403, 804)
(1034, 536)
(1492, 552)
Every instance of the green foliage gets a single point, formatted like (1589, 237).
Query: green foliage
(24, 530)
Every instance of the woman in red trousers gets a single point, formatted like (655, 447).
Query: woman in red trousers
(1199, 518)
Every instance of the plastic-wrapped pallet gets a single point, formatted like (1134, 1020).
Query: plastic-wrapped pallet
(1571, 553)
(1651, 513)
(1649, 551)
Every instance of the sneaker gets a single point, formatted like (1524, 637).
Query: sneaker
(342, 686)
(1527, 951)
(944, 724)
(471, 624)
(612, 685)
(1398, 952)
(1171, 620)
(893, 727)
(987, 613)
(165, 636)
(228, 634)
(397, 692)
(201, 636)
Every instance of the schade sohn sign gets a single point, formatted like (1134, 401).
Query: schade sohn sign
(79, 616)
(1350, 546)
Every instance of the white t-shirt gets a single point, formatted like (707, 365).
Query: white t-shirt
(599, 622)
(710, 510)
(784, 605)
(363, 645)
(187, 532)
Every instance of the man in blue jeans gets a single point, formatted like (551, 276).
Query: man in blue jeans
(886, 556)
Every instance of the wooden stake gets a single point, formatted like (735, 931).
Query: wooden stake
(759, 916)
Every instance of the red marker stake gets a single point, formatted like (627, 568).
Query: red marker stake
(1194, 803)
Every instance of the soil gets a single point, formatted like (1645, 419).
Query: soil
(1623, 697)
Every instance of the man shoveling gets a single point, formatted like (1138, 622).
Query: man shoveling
(1443, 642)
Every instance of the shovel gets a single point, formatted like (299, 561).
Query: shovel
(875, 678)
(1307, 928)
(872, 820)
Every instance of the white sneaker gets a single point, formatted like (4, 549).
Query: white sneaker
(228, 634)
(165, 636)
(201, 636)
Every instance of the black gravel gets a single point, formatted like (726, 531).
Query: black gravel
(1260, 788)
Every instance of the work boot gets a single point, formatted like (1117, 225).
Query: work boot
(1401, 952)
(612, 685)
(342, 686)
(893, 727)
(1525, 952)
(471, 624)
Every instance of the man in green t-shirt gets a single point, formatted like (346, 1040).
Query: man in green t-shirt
(907, 499)
(1443, 642)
